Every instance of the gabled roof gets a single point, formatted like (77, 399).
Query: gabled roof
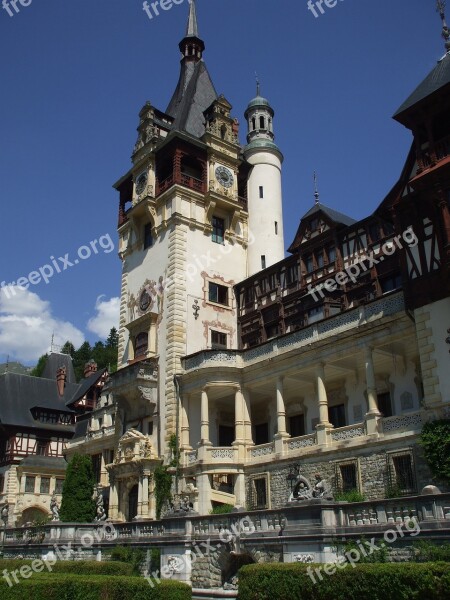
(194, 93)
(330, 214)
(336, 216)
(84, 386)
(19, 394)
(437, 79)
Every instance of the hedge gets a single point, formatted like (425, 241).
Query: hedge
(394, 581)
(60, 586)
(76, 567)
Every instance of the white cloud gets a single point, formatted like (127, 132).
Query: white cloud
(106, 318)
(27, 325)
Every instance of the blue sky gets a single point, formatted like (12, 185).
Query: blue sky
(75, 74)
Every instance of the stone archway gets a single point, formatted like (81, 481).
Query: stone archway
(230, 565)
(33, 514)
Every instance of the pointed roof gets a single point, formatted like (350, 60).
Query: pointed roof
(195, 90)
(437, 79)
(192, 26)
(334, 215)
(337, 218)
(54, 362)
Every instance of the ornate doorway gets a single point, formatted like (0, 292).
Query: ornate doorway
(133, 502)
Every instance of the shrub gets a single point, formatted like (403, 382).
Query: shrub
(381, 555)
(133, 556)
(93, 587)
(74, 567)
(77, 504)
(426, 551)
(394, 581)
(221, 509)
(350, 496)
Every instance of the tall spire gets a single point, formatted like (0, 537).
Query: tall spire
(192, 26)
(192, 46)
(445, 30)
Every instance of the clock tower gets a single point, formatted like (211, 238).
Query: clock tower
(183, 240)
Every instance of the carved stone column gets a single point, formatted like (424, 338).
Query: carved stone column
(373, 413)
(324, 424)
(281, 418)
(204, 420)
(185, 441)
(248, 437)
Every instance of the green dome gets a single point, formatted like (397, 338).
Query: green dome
(258, 101)
(262, 144)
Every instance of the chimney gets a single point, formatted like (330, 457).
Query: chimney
(90, 368)
(61, 376)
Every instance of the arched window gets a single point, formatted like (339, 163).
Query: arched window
(254, 123)
(262, 123)
(223, 131)
(141, 344)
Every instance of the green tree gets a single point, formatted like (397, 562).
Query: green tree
(113, 339)
(78, 505)
(435, 441)
(39, 368)
(68, 348)
(81, 357)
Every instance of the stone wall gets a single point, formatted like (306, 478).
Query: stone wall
(373, 472)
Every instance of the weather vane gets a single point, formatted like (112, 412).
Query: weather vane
(316, 191)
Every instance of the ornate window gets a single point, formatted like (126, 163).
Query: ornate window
(59, 486)
(141, 344)
(347, 476)
(218, 293)
(218, 340)
(218, 232)
(30, 482)
(45, 485)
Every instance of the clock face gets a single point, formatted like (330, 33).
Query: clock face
(144, 301)
(224, 177)
(141, 182)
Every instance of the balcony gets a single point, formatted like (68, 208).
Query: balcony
(428, 157)
(184, 180)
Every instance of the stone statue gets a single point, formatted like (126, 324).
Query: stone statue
(302, 490)
(100, 508)
(321, 489)
(5, 514)
(54, 508)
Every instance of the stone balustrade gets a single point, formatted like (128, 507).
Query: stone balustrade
(301, 518)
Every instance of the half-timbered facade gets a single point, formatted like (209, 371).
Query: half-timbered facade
(37, 419)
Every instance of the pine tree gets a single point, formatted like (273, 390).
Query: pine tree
(39, 368)
(77, 504)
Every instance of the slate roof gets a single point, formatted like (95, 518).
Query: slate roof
(54, 362)
(45, 462)
(84, 386)
(334, 215)
(19, 394)
(438, 78)
(194, 93)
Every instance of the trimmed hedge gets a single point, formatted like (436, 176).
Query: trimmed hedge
(92, 587)
(76, 567)
(393, 581)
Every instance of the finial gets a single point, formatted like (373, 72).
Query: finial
(445, 30)
(316, 191)
(192, 26)
(258, 85)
